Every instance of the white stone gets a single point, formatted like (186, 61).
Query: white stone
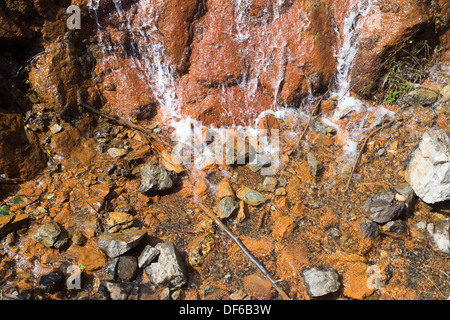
(428, 171)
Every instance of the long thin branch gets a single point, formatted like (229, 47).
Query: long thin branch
(150, 135)
(358, 158)
(247, 253)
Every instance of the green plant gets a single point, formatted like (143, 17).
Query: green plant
(409, 68)
(6, 210)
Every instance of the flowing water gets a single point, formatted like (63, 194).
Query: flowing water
(265, 47)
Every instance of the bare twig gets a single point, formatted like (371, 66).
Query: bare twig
(150, 135)
(247, 253)
(358, 158)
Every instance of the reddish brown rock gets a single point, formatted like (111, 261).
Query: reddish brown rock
(20, 153)
(88, 256)
(258, 287)
(72, 149)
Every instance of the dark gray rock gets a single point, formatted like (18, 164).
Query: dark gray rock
(406, 191)
(147, 256)
(154, 177)
(397, 227)
(227, 206)
(320, 281)
(428, 171)
(169, 270)
(116, 244)
(439, 235)
(370, 229)
(127, 268)
(383, 207)
(52, 282)
(110, 269)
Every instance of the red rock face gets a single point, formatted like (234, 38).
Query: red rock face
(223, 62)
(20, 154)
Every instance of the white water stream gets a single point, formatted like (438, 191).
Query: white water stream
(151, 63)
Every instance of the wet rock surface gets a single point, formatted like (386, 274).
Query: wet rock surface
(112, 190)
(52, 282)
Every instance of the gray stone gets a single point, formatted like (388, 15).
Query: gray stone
(384, 207)
(421, 97)
(259, 161)
(253, 198)
(120, 290)
(406, 191)
(115, 244)
(370, 229)
(127, 268)
(227, 206)
(50, 235)
(62, 240)
(269, 184)
(439, 235)
(147, 256)
(315, 166)
(397, 227)
(156, 178)
(320, 281)
(428, 171)
(110, 269)
(169, 270)
(52, 282)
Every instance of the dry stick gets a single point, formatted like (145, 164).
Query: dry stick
(252, 259)
(123, 123)
(358, 158)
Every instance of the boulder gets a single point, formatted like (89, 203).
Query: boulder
(227, 206)
(383, 207)
(169, 270)
(320, 281)
(154, 177)
(421, 97)
(20, 153)
(50, 234)
(116, 244)
(428, 170)
(52, 282)
(147, 256)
